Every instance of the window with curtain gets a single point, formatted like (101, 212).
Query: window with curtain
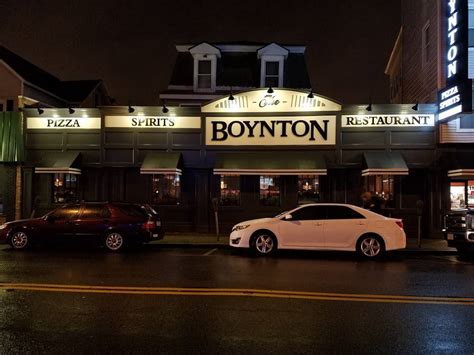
(230, 190)
(382, 186)
(166, 189)
(308, 188)
(65, 188)
(270, 190)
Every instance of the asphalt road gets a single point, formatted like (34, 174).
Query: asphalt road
(203, 300)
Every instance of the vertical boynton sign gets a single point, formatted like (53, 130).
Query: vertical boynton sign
(455, 98)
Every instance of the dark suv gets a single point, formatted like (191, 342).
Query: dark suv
(111, 224)
(459, 230)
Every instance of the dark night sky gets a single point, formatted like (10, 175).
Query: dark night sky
(130, 44)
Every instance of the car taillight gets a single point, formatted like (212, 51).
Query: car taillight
(399, 223)
(149, 225)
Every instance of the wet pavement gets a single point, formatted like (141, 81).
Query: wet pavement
(173, 321)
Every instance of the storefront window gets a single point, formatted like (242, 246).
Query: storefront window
(308, 188)
(383, 187)
(459, 191)
(166, 189)
(64, 188)
(270, 190)
(230, 190)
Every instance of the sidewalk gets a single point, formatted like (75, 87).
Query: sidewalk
(433, 246)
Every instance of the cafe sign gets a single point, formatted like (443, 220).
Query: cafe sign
(144, 122)
(271, 131)
(360, 121)
(63, 122)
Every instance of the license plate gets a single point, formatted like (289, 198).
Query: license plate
(158, 223)
(155, 235)
(450, 236)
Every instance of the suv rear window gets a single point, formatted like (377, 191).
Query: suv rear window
(133, 210)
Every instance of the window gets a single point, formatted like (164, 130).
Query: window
(270, 190)
(135, 210)
(308, 188)
(95, 212)
(204, 74)
(272, 70)
(382, 186)
(426, 43)
(309, 213)
(166, 189)
(466, 123)
(64, 188)
(341, 212)
(68, 212)
(230, 190)
(460, 192)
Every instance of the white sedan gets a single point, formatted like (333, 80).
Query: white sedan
(322, 227)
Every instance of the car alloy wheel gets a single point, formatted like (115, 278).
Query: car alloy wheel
(114, 241)
(19, 240)
(370, 247)
(264, 244)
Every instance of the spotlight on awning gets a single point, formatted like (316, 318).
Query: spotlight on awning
(130, 109)
(311, 95)
(270, 90)
(40, 110)
(71, 110)
(369, 107)
(165, 109)
(415, 107)
(231, 97)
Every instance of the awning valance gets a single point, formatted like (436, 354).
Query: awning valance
(161, 163)
(59, 162)
(384, 163)
(275, 163)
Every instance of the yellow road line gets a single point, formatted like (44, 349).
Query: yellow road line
(231, 292)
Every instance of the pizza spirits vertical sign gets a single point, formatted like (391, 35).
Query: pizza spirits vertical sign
(456, 97)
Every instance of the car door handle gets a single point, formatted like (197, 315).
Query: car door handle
(318, 223)
(360, 223)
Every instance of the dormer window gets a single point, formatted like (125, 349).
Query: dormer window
(205, 67)
(204, 74)
(272, 59)
(272, 74)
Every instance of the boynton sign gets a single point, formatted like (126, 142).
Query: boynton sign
(388, 120)
(299, 130)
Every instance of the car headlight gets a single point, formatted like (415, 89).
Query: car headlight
(240, 227)
(3, 226)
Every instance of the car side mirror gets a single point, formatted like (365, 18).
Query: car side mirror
(50, 219)
(288, 217)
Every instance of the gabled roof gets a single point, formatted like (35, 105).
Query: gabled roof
(205, 48)
(272, 49)
(73, 91)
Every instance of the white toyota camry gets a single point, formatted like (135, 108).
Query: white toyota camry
(322, 227)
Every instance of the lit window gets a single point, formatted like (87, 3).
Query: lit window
(470, 193)
(272, 70)
(270, 190)
(459, 191)
(166, 189)
(64, 188)
(204, 74)
(308, 188)
(382, 186)
(230, 190)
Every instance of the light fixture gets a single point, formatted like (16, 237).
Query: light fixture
(40, 110)
(310, 95)
(270, 90)
(369, 107)
(164, 109)
(130, 109)
(415, 107)
(231, 97)
(71, 110)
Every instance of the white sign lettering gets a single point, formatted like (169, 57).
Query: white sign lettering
(359, 121)
(152, 122)
(63, 123)
(299, 130)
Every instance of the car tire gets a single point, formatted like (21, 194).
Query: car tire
(264, 243)
(371, 246)
(114, 241)
(19, 240)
